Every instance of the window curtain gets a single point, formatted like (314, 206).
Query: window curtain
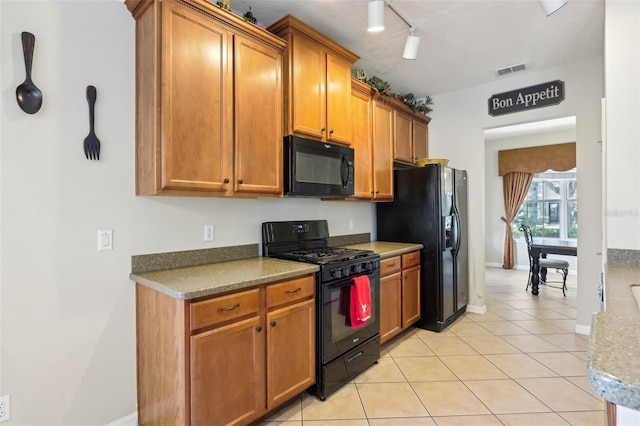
(515, 186)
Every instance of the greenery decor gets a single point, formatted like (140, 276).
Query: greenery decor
(249, 17)
(416, 105)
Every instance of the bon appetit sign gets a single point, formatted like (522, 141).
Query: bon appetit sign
(538, 96)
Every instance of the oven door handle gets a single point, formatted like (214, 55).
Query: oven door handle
(356, 356)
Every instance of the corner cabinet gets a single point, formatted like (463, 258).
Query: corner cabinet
(399, 294)
(411, 135)
(209, 108)
(226, 359)
(317, 83)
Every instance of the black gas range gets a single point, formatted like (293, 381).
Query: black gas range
(342, 351)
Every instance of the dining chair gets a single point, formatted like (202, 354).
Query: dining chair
(561, 266)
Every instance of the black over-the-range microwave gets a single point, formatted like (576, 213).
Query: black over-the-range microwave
(317, 169)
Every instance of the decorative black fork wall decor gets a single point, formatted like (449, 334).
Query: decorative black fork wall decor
(91, 142)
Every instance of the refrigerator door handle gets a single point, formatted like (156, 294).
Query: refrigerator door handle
(457, 237)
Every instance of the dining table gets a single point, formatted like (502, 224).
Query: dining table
(540, 248)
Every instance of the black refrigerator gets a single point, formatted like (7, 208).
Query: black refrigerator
(430, 207)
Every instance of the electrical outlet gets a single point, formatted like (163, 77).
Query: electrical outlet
(5, 408)
(209, 232)
(352, 224)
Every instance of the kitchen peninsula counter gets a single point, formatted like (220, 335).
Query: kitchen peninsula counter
(386, 249)
(613, 359)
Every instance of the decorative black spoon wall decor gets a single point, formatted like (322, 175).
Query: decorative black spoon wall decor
(91, 142)
(28, 95)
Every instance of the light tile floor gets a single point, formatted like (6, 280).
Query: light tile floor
(518, 364)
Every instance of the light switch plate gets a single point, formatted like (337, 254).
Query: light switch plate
(105, 239)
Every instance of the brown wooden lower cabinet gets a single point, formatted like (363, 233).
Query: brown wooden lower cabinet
(399, 294)
(224, 360)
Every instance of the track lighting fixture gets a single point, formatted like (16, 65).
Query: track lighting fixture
(376, 16)
(411, 45)
(376, 23)
(551, 6)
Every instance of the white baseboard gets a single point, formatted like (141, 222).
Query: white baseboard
(492, 265)
(583, 329)
(476, 309)
(128, 420)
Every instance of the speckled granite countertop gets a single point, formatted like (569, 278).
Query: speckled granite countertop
(613, 359)
(387, 249)
(196, 273)
(206, 280)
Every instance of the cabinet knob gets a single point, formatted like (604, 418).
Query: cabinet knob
(240, 181)
(377, 192)
(273, 323)
(323, 129)
(226, 180)
(259, 328)
(331, 131)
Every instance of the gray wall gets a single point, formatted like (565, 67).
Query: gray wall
(457, 132)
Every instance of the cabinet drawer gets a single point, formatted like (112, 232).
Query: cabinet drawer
(224, 308)
(389, 266)
(290, 290)
(410, 259)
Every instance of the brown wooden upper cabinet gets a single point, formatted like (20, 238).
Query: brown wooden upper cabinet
(209, 102)
(372, 135)
(411, 136)
(317, 83)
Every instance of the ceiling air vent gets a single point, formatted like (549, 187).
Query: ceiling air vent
(509, 70)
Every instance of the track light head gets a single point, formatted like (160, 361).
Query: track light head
(376, 16)
(411, 46)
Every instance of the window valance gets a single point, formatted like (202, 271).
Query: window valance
(560, 157)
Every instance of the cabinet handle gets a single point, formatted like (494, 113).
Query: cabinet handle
(230, 308)
(331, 131)
(405, 277)
(323, 129)
(293, 291)
(392, 264)
(226, 180)
(240, 181)
(377, 192)
(259, 328)
(273, 323)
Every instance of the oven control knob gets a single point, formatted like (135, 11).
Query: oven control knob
(345, 272)
(336, 273)
(366, 266)
(356, 269)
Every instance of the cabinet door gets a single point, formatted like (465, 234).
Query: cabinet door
(410, 296)
(338, 100)
(382, 151)
(291, 351)
(361, 144)
(403, 138)
(308, 66)
(227, 374)
(390, 314)
(258, 118)
(420, 140)
(196, 91)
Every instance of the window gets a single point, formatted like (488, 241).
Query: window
(551, 206)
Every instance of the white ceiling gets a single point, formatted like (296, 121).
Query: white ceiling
(463, 42)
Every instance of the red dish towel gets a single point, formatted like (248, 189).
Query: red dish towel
(360, 301)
